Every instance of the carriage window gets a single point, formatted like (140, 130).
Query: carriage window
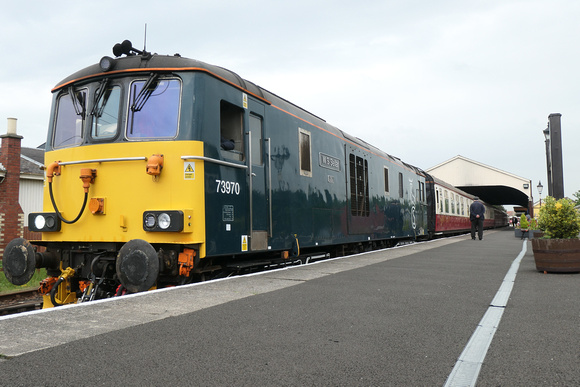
(231, 131)
(70, 118)
(386, 171)
(154, 108)
(446, 202)
(305, 153)
(452, 204)
(105, 112)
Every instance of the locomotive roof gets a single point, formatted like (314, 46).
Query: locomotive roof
(146, 62)
(155, 62)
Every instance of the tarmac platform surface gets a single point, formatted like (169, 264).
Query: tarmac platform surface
(446, 312)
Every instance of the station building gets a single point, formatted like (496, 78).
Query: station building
(492, 185)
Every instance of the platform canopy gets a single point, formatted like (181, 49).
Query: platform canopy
(492, 185)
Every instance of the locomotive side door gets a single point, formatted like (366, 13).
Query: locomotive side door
(258, 172)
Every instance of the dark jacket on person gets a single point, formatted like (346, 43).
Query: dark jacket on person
(476, 208)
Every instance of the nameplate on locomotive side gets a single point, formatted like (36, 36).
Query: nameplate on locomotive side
(328, 162)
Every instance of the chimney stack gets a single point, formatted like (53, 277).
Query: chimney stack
(12, 126)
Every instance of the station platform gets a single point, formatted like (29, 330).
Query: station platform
(450, 312)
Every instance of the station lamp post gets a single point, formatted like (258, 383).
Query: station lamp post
(548, 161)
(540, 189)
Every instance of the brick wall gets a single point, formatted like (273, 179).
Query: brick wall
(11, 215)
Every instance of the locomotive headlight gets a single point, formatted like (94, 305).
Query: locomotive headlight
(107, 63)
(164, 221)
(43, 222)
(39, 222)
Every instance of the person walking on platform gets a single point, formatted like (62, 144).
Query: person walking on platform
(476, 215)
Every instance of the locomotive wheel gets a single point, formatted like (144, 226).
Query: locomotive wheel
(137, 265)
(19, 261)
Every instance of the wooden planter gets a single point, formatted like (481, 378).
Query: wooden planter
(557, 255)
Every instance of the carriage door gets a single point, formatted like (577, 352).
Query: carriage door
(258, 150)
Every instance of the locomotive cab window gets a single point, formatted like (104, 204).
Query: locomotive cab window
(70, 118)
(153, 108)
(105, 112)
(305, 152)
(231, 131)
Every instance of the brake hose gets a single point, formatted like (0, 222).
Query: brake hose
(58, 212)
(54, 290)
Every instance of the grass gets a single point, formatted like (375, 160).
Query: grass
(7, 287)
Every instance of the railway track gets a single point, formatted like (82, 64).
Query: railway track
(21, 301)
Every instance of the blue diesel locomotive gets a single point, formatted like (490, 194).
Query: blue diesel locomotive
(189, 171)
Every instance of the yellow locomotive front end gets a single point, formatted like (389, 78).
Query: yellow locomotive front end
(129, 187)
(126, 197)
(124, 189)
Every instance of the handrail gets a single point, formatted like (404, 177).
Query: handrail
(215, 161)
(138, 158)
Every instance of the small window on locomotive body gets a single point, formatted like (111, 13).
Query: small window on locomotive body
(257, 146)
(105, 112)
(70, 118)
(231, 131)
(401, 188)
(153, 110)
(418, 197)
(304, 149)
(386, 173)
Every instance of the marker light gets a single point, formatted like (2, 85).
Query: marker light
(150, 221)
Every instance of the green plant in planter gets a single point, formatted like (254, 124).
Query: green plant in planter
(559, 219)
(524, 224)
(533, 224)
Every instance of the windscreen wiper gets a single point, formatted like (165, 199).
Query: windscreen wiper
(78, 101)
(148, 89)
(101, 91)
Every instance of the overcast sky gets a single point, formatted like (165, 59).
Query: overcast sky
(423, 80)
